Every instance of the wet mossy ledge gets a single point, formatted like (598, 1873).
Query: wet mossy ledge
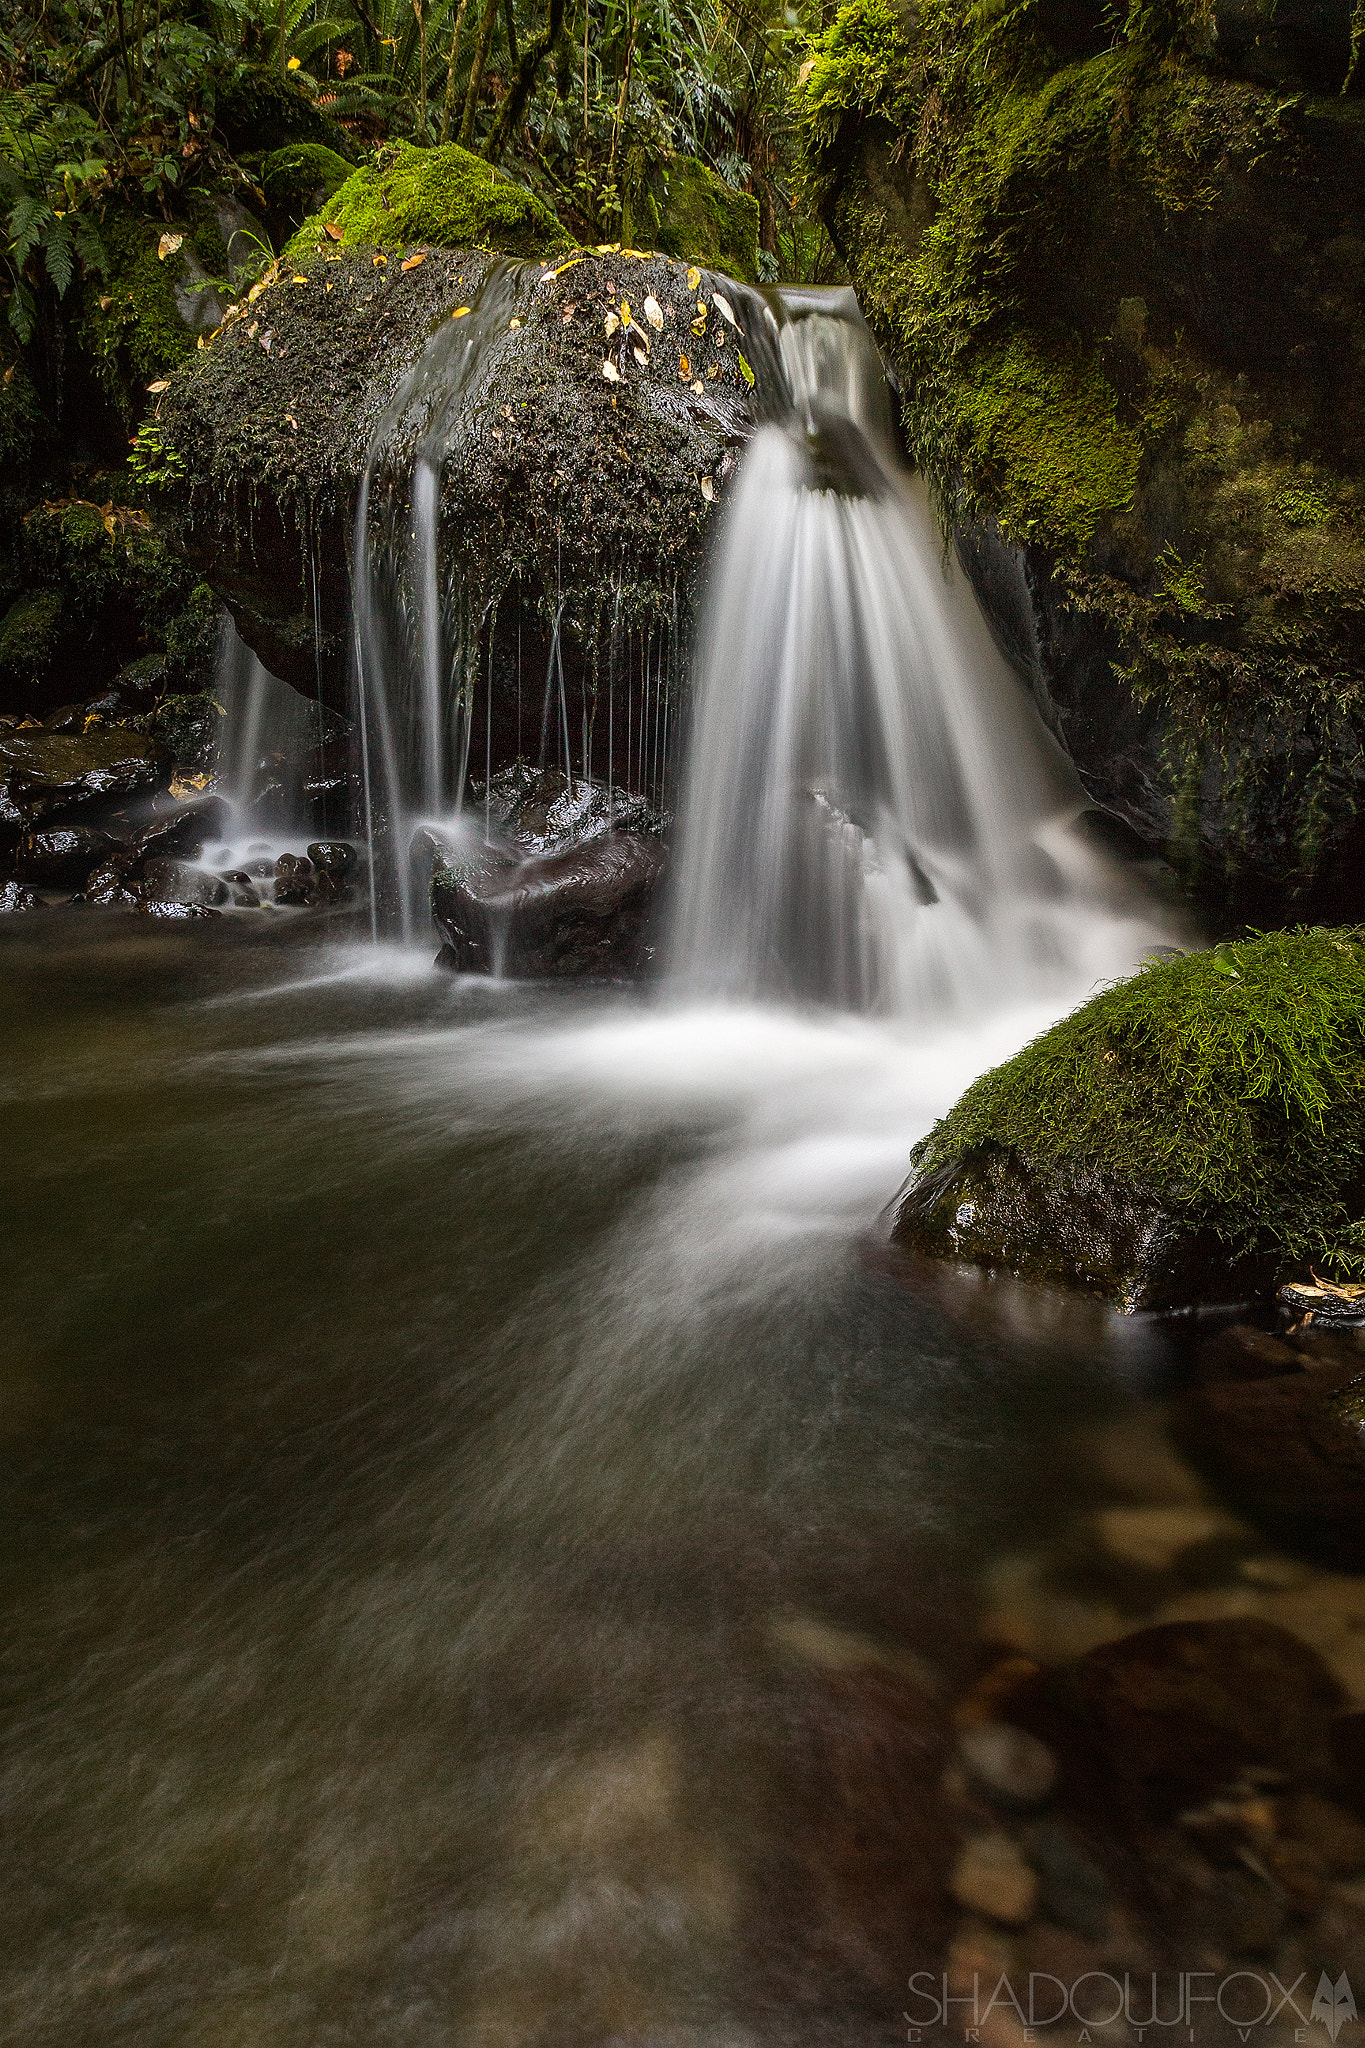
(1119, 263)
(1195, 1133)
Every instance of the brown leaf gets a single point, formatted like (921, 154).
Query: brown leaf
(331, 228)
(412, 262)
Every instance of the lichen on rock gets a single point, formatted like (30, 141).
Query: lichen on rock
(1198, 1127)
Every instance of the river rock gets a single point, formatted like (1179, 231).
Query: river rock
(61, 856)
(1290, 1450)
(174, 885)
(44, 775)
(581, 912)
(571, 505)
(1008, 1762)
(14, 897)
(993, 1876)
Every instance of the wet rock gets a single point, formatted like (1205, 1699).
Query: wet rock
(1008, 1762)
(1074, 1891)
(174, 885)
(182, 828)
(61, 856)
(335, 858)
(44, 774)
(296, 879)
(1290, 1450)
(14, 897)
(992, 1876)
(111, 887)
(581, 913)
(1162, 1719)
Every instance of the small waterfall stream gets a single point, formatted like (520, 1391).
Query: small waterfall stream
(874, 816)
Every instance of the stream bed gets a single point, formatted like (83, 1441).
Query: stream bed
(462, 1444)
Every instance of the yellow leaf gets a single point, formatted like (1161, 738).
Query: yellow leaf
(161, 384)
(512, 324)
(625, 312)
(378, 258)
(459, 313)
(608, 248)
(693, 278)
(168, 245)
(684, 367)
(412, 262)
(701, 308)
(293, 64)
(745, 371)
(298, 280)
(330, 282)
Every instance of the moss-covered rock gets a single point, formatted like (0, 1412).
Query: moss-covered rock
(258, 110)
(146, 315)
(30, 635)
(300, 178)
(565, 494)
(1188, 1134)
(682, 207)
(437, 198)
(1123, 279)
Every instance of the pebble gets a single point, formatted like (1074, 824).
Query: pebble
(1008, 1762)
(993, 1877)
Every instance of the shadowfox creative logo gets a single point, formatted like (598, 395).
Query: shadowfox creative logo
(1334, 2004)
(1246, 2000)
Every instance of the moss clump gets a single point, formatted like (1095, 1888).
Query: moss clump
(300, 177)
(131, 322)
(29, 634)
(685, 209)
(441, 198)
(258, 110)
(1225, 1088)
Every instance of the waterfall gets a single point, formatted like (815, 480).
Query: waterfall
(874, 816)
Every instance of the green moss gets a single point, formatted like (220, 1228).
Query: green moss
(442, 198)
(1228, 1086)
(29, 634)
(696, 216)
(300, 176)
(130, 322)
(258, 110)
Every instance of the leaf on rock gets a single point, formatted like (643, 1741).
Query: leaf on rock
(684, 368)
(298, 280)
(378, 258)
(459, 313)
(168, 245)
(625, 312)
(640, 357)
(693, 278)
(411, 262)
(611, 373)
(697, 387)
(654, 313)
(708, 490)
(331, 228)
(722, 305)
(745, 372)
(613, 322)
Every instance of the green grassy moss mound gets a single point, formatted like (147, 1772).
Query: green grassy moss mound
(301, 176)
(685, 209)
(1225, 1090)
(440, 198)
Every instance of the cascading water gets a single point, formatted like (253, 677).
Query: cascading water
(874, 816)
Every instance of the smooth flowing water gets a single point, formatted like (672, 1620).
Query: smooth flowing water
(455, 1437)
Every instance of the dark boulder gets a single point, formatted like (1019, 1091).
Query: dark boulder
(175, 886)
(45, 774)
(61, 856)
(582, 912)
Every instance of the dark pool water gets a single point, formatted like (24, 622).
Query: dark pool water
(443, 1427)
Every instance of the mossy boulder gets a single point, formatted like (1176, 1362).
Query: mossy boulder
(300, 178)
(147, 314)
(573, 506)
(434, 198)
(258, 110)
(1122, 276)
(30, 636)
(1191, 1134)
(684, 208)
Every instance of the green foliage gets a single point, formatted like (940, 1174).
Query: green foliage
(1229, 1086)
(687, 210)
(152, 462)
(29, 635)
(444, 197)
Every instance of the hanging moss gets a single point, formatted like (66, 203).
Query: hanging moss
(442, 198)
(1225, 1090)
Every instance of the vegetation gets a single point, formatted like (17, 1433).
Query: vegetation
(1226, 1087)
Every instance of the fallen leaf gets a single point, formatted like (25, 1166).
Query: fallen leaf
(697, 387)
(105, 304)
(608, 248)
(267, 338)
(201, 342)
(567, 313)
(745, 372)
(806, 69)
(290, 421)
(511, 324)
(699, 327)
(300, 279)
(190, 785)
(714, 370)
(161, 384)
(253, 330)
(411, 262)
(693, 278)
(684, 367)
(611, 373)
(331, 228)
(546, 275)
(378, 258)
(701, 308)
(255, 292)
(708, 489)
(459, 313)
(640, 357)
(330, 282)
(625, 312)
(722, 305)
(654, 313)
(612, 323)
(168, 245)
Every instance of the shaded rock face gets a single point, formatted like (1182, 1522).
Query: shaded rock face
(1122, 273)
(571, 508)
(575, 902)
(1072, 1227)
